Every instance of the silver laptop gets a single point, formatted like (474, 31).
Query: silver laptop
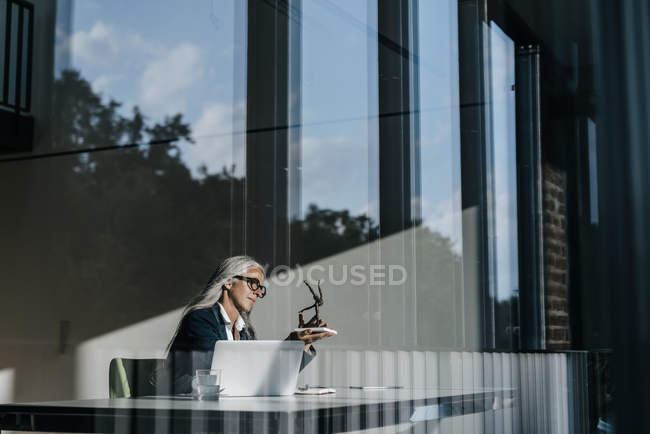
(258, 368)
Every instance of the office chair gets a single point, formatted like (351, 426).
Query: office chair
(130, 378)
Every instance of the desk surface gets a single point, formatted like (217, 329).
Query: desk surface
(345, 410)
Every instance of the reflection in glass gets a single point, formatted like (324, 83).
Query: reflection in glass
(440, 298)
(105, 243)
(503, 174)
(108, 239)
(337, 103)
(141, 71)
(338, 194)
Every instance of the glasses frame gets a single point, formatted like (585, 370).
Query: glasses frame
(250, 281)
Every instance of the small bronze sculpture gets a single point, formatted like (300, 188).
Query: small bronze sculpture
(315, 321)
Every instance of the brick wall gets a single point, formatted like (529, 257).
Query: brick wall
(556, 265)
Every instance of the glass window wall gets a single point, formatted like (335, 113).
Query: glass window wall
(443, 170)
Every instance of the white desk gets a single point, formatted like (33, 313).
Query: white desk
(348, 409)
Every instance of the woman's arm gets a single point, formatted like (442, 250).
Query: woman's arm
(193, 347)
(309, 338)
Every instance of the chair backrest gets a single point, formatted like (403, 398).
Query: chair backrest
(129, 378)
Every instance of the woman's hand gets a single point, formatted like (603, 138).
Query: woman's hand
(306, 335)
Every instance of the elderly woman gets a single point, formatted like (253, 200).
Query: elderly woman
(220, 312)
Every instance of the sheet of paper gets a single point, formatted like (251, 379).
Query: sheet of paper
(316, 330)
(315, 391)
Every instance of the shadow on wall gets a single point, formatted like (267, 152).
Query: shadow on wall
(7, 380)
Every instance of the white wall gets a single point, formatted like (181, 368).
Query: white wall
(380, 316)
(7, 379)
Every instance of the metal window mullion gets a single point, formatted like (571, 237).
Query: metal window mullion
(19, 61)
(474, 141)
(30, 53)
(530, 226)
(7, 62)
(488, 198)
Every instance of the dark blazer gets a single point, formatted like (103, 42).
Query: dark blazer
(193, 347)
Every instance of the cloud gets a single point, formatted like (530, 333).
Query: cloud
(101, 83)
(214, 141)
(140, 45)
(99, 45)
(108, 57)
(103, 45)
(111, 58)
(166, 78)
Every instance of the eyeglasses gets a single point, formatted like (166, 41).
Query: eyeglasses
(253, 284)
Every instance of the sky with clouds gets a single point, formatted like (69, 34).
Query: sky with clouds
(167, 57)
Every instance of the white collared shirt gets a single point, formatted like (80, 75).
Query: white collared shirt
(239, 324)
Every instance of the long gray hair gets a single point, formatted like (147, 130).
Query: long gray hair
(212, 292)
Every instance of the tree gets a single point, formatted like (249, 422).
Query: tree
(131, 223)
(325, 232)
